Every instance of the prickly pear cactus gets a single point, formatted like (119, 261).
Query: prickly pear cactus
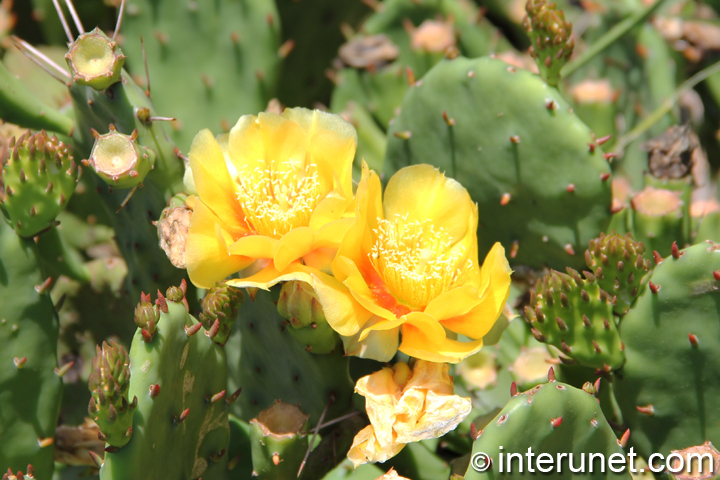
(535, 171)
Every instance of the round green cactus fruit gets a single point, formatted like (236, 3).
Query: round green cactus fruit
(37, 178)
(119, 159)
(298, 305)
(220, 308)
(95, 60)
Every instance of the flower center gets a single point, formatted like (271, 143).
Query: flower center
(276, 201)
(416, 260)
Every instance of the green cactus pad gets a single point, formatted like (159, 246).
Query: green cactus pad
(619, 266)
(109, 405)
(542, 190)
(669, 389)
(39, 174)
(30, 390)
(279, 441)
(576, 316)
(180, 427)
(95, 60)
(552, 418)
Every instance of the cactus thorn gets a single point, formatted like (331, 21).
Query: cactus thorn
(561, 325)
(19, 362)
(60, 372)
(233, 397)
(96, 458)
(551, 374)
(571, 188)
(648, 410)
(538, 335)
(604, 139)
(515, 139)
(505, 199)
(451, 121)
(146, 335)
(112, 449)
(44, 286)
(212, 333)
(604, 176)
(565, 347)
(624, 439)
(657, 257)
(403, 135)
(410, 76)
(217, 397)
(161, 302)
(654, 288)
(676, 253)
(693, 339)
(556, 422)
(609, 156)
(234, 461)
(474, 434)
(182, 416)
(154, 390)
(513, 389)
(190, 331)
(569, 249)
(45, 442)
(597, 348)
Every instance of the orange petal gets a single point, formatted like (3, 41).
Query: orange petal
(206, 255)
(213, 183)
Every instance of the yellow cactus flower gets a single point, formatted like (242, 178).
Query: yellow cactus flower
(409, 265)
(274, 198)
(406, 406)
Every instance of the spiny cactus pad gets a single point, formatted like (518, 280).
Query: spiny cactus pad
(619, 265)
(575, 315)
(511, 140)
(552, 418)
(39, 174)
(669, 390)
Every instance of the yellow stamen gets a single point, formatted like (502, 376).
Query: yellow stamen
(277, 201)
(416, 260)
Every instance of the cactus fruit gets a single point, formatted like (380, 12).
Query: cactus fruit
(39, 174)
(279, 441)
(118, 158)
(576, 316)
(299, 305)
(219, 311)
(668, 389)
(549, 34)
(95, 60)
(536, 173)
(553, 419)
(619, 265)
(180, 426)
(31, 391)
(109, 405)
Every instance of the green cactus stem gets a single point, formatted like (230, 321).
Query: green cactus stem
(95, 60)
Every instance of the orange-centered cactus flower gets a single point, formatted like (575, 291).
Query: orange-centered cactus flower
(409, 265)
(274, 197)
(406, 406)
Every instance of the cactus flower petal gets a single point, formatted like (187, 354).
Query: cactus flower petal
(410, 262)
